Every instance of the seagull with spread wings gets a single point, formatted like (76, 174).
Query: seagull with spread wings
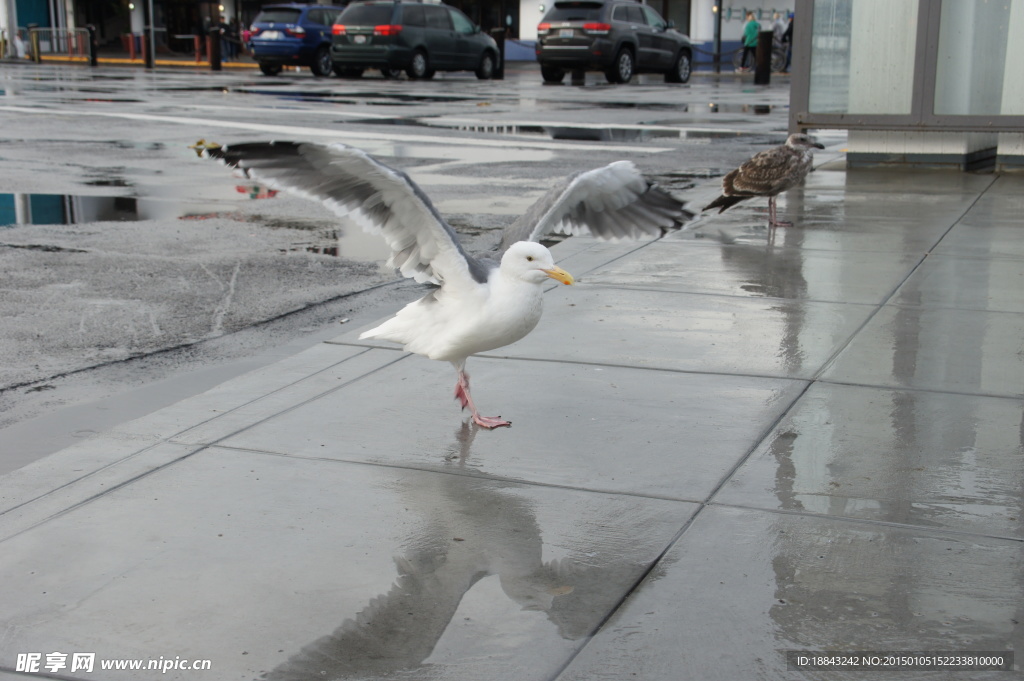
(479, 304)
(769, 173)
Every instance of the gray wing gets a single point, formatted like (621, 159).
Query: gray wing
(614, 202)
(767, 173)
(380, 199)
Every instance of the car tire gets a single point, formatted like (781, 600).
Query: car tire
(419, 66)
(552, 74)
(348, 72)
(681, 68)
(270, 69)
(621, 70)
(485, 71)
(321, 65)
(390, 73)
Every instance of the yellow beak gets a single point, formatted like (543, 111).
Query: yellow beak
(558, 274)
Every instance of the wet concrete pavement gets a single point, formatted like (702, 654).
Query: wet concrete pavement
(726, 445)
(723, 449)
(166, 279)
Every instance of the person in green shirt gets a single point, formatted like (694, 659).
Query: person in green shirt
(750, 32)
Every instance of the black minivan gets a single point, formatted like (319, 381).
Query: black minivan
(418, 38)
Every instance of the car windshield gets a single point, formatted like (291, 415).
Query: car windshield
(366, 15)
(574, 11)
(278, 16)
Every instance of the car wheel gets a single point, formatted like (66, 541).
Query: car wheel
(621, 70)
(270, 69)
(419, 66)
(321, 65)
(485, 71)
(552, 74)
(391, 73)
(348, 72)
(681, 70)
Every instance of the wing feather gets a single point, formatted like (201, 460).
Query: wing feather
(382, 200)
(614, 202)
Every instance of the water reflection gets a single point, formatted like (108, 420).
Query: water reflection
(63, 209)
(74, 209)
(482, 541)
(324, 237)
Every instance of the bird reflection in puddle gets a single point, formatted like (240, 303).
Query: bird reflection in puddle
(475, 528)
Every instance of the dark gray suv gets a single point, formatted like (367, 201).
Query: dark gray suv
(619, 37)
(418, 38)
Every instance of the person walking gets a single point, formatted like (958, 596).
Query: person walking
(750, 32)
(787, 40)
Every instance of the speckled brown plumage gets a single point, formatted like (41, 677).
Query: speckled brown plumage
(768, 173)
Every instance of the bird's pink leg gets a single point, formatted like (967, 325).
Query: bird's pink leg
(772, 222)
(462, 395)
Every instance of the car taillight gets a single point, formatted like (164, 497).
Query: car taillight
(338, 29)
(254, 31)
(597, 28)
(387, 29)
(297, 32)
(542, 29)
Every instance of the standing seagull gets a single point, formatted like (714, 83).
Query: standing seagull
(769, 173)
(479, 304)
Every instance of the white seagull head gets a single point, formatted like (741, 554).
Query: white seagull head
(531, 262)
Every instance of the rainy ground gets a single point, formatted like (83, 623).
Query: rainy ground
(141, 274)
(731, 446)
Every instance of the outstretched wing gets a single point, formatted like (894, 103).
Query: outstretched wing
(613, 202)
(380, 199)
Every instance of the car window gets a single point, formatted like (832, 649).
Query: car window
(278, 16)
(461, 21)
(574, 10)
(366, 15)
(619, 14)
(653, 18)
(437, 17)
(635, 16)
(315, 16)
(412, 15)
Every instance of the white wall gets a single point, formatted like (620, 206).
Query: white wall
(530, 15)
(8, 22)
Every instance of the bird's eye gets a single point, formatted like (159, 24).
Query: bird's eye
(529, 258)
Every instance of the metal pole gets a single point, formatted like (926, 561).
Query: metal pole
(213, 47)
(33, 42)
(94, 45)
(152, 34)
(718, 36)
(763, 58)
(147, 33)
(499, 37)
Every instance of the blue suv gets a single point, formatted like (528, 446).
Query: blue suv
(293, 35)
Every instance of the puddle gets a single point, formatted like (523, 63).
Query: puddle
(325, 237)
(756, 109)
(366, 98)
(62, 209)
(560, 132)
